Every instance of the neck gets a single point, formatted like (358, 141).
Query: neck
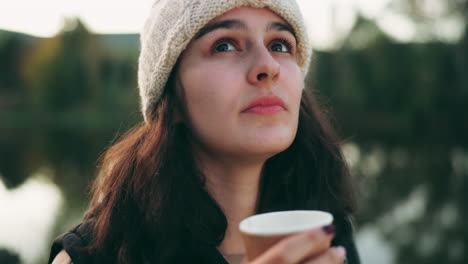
(235, 188)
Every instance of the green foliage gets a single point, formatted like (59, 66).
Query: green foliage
(60, 70)
(405, 106)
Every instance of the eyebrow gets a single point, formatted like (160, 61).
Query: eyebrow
(238, 24)
(278, 26)
(229, 24)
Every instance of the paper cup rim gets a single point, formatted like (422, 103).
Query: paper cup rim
(243, 225)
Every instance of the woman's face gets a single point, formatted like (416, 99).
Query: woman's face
(241, 85)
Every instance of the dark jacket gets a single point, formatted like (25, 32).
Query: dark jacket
(81, 235)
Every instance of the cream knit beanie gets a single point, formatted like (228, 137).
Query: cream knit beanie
(172, 24)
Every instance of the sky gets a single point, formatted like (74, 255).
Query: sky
(325, 19)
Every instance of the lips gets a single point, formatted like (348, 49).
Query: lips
(265, 105)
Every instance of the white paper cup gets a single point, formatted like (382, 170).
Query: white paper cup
(262, 231)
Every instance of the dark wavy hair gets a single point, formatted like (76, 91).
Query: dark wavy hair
(150, 196)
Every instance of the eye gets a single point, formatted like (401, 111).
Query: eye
(224, 45)
(281, 45)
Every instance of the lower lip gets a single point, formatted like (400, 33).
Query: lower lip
(265, 110)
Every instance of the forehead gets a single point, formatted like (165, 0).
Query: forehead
(246, 12)
(247, 18)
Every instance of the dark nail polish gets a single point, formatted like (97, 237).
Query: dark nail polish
(329, 229)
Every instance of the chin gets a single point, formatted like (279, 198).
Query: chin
(269, 147)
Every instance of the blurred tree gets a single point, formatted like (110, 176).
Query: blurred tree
(10, 51)
(404, 105)
(61, 71)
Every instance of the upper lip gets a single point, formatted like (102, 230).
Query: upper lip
(267, 100)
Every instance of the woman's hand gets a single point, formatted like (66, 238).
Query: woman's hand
(310, 247)
(62, 258)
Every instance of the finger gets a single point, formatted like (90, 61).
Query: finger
(62, 258)
(299, 247)
(245, 261)
(336, 255)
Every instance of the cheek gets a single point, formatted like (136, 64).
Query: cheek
(210, 91)
(212, 99)
(295, 85)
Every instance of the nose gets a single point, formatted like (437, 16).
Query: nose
(264, 69)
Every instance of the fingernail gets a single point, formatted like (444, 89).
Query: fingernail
(329, 229)
(340, 252)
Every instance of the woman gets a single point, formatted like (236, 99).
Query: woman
(229, 132)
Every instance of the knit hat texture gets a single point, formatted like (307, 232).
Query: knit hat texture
(172, 24)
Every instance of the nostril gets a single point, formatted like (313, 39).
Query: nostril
(261, 76)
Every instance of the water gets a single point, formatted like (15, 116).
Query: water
(53, 199)
(28, 215)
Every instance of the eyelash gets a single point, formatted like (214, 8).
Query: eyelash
(221, 41)
(286, 43)
(283, 41)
